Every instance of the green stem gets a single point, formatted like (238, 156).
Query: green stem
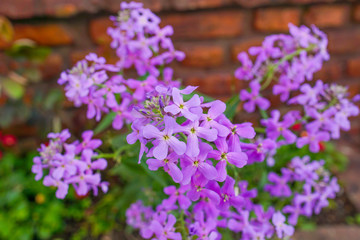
(263, 114)
(260, 130)
(182, 225)
(273, 67)
(183, 136)
(105, 155)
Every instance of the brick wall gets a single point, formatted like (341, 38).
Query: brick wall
(210, 32)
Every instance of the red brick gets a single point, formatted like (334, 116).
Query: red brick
(257, 3)
(244, 45)
(331, 71)
(17, 8)
(3, 64)
(205, 25)
(195, 4)
(114, 5)
(51, 67)
(47, 34)
(353, 67)
(202, 56)
(276, 19)
(310, 1)
(327, 15)
(214, 84)
(356, 13)
(344, 40)
(64, 8)
(104, 51)
(98, 30)
(78, 55)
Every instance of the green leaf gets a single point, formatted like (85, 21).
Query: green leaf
(6, 29)
(206, 97)
(27, 49)
(33, 74)
(52, 98)
(231, 106)
(13, 89)
(105, 122)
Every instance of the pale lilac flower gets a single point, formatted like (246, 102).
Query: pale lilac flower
(282, 229)
(169, 164)
(253, 98)
(179, 106)
(224, 156)
(194, 132)
(313, 138)
(165, 138)
(199, 165)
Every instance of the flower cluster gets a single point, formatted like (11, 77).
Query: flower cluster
(70, 163)
(317, 187)
(193, 141)
(292, 59)
(207, 207)
(203, 133)
(140, 42)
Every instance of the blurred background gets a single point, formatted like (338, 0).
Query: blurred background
(41, 38)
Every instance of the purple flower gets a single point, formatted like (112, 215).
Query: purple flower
(88, 142)
(302, 35)
(165, 138)
(294, 211)
(122, 114)
(62, 188)
(179, 106)
(306, 200)
(244, 130)
(142, 87)
(194, 132)
(258, 151)
(253, 98)
(199, 189)
(310, 95)
(164, 228)
(284, 87)
(70, 163)
(177, 195)
(227, 194)
(169, 164)
(279, 188)
(210, 119)
(275, 128)
(137, 134)
(84, 181)
(282, 229)
(313, 138)
(199, 164)
(224, 156)
(245, 71)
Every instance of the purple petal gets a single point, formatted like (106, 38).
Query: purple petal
(175, 172)
(151, 131)
(161, 150)
(178, 146)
